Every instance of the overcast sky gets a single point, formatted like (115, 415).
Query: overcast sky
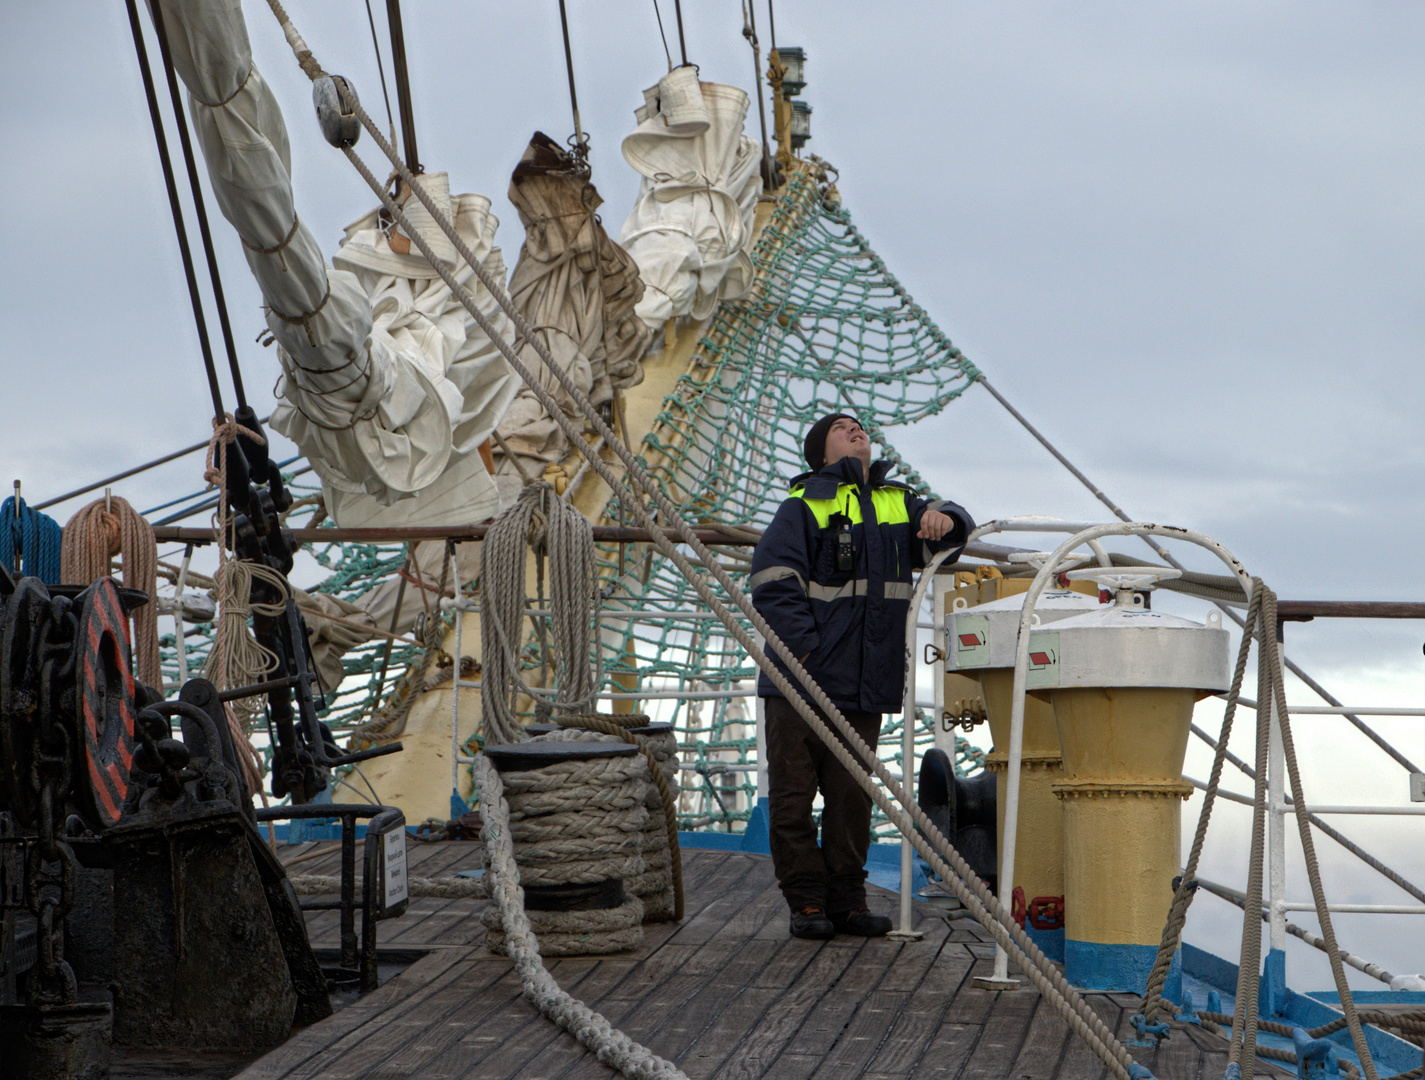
(1184, 239)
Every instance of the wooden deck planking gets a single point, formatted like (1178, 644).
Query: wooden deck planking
(766, 1043)
(1044, 1045)
(727, 994)
(921, 1016)
(1002, 1033)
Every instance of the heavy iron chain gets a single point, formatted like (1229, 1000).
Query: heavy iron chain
(50, 866)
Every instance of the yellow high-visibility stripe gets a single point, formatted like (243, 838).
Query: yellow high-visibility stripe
(888, 504)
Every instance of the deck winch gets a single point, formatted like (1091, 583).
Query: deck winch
(980, 642)
(1122, 681)
(118, 828)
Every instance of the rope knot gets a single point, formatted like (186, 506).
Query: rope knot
(225, 432)
(112, 530)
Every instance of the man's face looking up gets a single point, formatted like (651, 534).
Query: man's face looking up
(846, 439)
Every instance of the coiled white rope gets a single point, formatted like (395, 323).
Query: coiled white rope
(609, 1045)
(541, 521)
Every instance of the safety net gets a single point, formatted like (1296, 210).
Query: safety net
(825, 328)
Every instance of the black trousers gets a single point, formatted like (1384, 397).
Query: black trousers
(832, 874)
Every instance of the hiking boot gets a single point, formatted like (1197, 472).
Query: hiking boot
(810, 922)
(862, 923)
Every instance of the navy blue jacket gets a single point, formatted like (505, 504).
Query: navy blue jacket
(852, 622)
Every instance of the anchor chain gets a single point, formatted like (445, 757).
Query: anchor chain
(50, 865)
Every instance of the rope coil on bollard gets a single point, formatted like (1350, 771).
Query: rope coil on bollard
(663, 773)
(576, 821)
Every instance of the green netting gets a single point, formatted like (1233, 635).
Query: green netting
(826, 327)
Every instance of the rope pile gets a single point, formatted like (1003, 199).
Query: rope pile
(236, 658)
(660, 886)
(96, 534)
(578, 822)
(542, 522)
(33, 535)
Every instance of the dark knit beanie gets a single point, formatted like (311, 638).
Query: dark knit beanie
(814, 446)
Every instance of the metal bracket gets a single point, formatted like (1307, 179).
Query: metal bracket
(1149, 1035)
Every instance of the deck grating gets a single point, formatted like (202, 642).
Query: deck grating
(726, 994)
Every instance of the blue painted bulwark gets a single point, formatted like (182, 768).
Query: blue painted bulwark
(757, 836)
(302, 830)
(1050, 942)
(1391, 1054)
(1272, 992)
(1091, 965)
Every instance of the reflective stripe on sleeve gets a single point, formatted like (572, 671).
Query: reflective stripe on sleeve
(775, 573)
(899, 590)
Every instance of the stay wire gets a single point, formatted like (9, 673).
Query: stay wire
(403, 85)
(749, 31)
(663, 35)
(580, 145)
(172, 186)
(128, 472)
(682, 41)
(1167, 557)
(380, 66)
(180, 119)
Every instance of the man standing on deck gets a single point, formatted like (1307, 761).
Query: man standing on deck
(832, 575)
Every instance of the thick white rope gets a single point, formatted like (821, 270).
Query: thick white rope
(609, 1045)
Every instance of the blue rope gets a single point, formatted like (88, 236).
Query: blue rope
(36, 535)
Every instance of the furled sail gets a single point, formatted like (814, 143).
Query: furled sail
(577, 289)
(390, 411)
(691, 226)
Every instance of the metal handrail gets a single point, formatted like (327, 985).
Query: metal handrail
(382, 818)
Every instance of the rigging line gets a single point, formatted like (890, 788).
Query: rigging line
(403, 85)
(1291, 665)
(218, 412)
(749, 31)
(380, 68)
(212, 503)
(682, 41)
(569, 64)
(200, 209)
(771, 22)
(201, 494)
(128, 472)
(661, 34)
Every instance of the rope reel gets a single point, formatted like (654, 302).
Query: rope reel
(577, 819)
(660, 886)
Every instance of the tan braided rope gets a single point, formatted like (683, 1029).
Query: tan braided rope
(609, 726)
(94, 535)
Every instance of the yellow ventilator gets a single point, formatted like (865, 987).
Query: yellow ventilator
(1122, 681)
(980, 644)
